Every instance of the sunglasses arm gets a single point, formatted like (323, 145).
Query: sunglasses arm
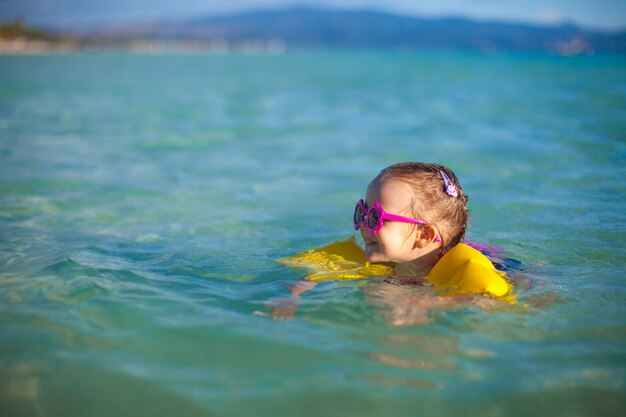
(393, 217)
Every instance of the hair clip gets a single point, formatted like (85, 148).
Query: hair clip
(450, 188)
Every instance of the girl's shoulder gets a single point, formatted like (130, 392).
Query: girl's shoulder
(497, 256)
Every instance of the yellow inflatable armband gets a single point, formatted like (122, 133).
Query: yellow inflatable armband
(464, 270)
(339, 260)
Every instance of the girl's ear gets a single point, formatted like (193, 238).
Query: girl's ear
(425, 235)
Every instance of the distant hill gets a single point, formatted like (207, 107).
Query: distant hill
(312, 27)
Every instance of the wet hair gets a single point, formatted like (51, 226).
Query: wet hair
(434, 200)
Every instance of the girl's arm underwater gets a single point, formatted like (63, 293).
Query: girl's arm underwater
(286, 308)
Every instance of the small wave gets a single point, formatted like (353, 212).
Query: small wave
(98, 261)
(79, 289)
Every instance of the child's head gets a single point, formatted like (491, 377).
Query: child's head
(433, 207)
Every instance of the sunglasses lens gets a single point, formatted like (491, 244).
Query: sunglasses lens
(358, 215)
(373, 218)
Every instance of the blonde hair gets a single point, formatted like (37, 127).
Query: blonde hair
(434, 199)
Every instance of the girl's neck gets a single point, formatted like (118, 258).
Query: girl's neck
(419, 267)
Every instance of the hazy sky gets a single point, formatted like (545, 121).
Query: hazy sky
(601, 14)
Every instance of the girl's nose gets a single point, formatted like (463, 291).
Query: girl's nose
(365, 231)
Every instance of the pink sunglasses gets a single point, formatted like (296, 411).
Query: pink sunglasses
(375, 215)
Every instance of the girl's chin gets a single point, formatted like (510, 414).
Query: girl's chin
(378, 257)
(374, 256)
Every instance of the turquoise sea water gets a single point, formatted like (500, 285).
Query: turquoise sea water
(145, 198)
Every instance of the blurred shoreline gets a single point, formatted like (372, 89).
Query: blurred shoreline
(25, 46)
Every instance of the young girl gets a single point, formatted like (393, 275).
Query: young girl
(412, 214)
